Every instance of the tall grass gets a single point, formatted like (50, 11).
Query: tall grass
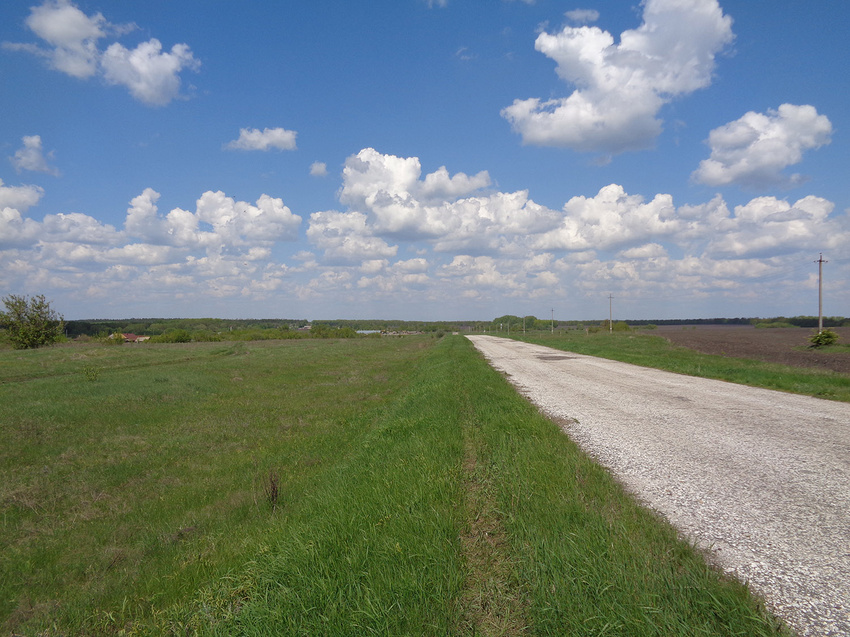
(657, 352)
(415, 493)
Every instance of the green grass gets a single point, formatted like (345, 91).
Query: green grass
(657, 352)
(147, 482)
(419, 495)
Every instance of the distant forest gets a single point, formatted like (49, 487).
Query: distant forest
(283, 328)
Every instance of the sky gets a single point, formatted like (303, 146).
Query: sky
(426, 159)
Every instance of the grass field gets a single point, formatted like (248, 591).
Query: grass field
(370, 486)
(655, 351)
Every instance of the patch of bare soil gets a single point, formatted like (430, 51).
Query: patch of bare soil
(784, 345)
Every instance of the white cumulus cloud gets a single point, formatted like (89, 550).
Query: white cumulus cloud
(71, 35)
(754, 150)
(21, 198)
(151, 74)
(231, 223)
(318, 169)
(72, 47)
(266, 139)
(346, 237)
(767, 226)
(612, 219)
(620, 87)
(31, 157)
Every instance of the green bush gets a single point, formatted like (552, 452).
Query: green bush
(173, 336)
(206, 336)
(823, 338)
(106, 338)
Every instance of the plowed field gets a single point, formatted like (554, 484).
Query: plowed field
(788, 346)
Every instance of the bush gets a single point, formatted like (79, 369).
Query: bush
(31, 322)
(823, 338)
(114, 338)
(206, 336)
(173, 336)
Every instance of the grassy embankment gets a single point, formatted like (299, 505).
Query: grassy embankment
(417, 494)
(657, 352)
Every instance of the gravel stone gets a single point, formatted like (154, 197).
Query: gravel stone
(759, 479)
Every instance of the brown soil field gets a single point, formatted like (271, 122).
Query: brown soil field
(787, 346)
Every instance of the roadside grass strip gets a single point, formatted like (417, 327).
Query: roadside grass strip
(657, 352)
(590, 560)
(416, 494)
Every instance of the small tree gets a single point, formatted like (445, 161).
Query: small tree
(31, 322)
(823, 338)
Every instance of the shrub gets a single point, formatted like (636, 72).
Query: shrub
(173, 336)
(823, 338)
(206, 336)
(115, 338)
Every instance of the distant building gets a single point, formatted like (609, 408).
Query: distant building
(133, 338)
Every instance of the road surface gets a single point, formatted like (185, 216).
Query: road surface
(759, 478)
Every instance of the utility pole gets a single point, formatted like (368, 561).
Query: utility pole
(820, 263)
(610, 314)
(553, 320)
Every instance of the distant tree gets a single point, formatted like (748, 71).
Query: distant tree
(31, 322)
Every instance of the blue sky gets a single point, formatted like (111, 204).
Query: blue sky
(425, 159)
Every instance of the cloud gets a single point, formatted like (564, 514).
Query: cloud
(612, 219)
(15, 230)
(646, 251)
(71, 34)
(22, 198)
(31, 157)
(754, 150)
(266, 139)
(767, 226)
(232, 224)
(346, 238)
(456, 243)
(402, 205)
(318, 169)
(151, 75)
(582, 16)
(621, 87)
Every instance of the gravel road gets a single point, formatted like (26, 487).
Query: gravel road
(758, 478)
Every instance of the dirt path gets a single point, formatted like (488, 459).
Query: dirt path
(761, 479)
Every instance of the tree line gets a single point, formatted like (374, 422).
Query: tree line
(29, 322)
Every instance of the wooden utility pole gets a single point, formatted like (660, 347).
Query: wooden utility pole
(553, 320)
(820, 263)
(610, 314)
